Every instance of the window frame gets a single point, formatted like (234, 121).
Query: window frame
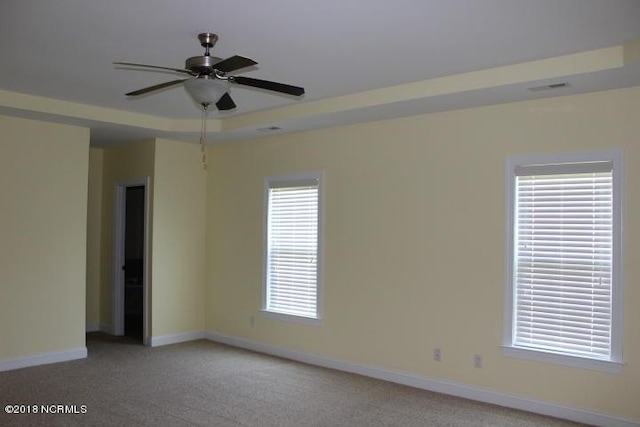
(615, 362)
(294, 180)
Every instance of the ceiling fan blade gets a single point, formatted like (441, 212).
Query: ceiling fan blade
(155, 87)
(155, 67)
(234, 63)
(265, 84)
(225, 103)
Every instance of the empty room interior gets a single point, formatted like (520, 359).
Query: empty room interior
(437, 194)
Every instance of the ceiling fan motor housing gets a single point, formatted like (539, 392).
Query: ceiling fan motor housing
(203, 65)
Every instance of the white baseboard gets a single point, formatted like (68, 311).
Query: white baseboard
(176, 338)
(99, 327)
(439, 386)
(43, 358)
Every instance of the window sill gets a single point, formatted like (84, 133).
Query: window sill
(292, 318)
(563, 359)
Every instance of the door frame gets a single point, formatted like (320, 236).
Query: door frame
(119, 257)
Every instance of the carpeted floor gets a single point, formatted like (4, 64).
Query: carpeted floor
(202, 383)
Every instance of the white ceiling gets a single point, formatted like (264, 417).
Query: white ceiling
(64, 50)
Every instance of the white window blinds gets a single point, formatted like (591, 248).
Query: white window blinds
(563, 258)
(292, 248)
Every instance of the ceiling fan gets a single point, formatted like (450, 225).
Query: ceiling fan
(209, 82)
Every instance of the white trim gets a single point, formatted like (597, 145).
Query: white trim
(146, 313)
(439, 386)
(292, 318)
(276, 181)
(44, 358)
(176, 338)
(616, 156)
(118, 258)
(617, 336)
(563, 359)
(99, 327)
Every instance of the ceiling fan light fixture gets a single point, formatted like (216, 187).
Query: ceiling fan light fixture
(206, 91)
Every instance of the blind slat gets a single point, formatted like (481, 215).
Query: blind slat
(292, 239)
(563, 259)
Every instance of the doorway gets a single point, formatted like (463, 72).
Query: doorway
(134, 262)
(130, 266)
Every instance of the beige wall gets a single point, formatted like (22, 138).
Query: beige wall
(414, 242)
(120, 165)
(43, 188)
(177, 231)
(94, 233)
(178, 239)
(414, 239)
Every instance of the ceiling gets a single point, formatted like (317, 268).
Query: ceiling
(358, 60)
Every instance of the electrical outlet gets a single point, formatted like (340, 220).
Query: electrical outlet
(252, 321)
(436, 355)
(477, 361)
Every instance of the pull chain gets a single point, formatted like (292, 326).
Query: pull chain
(203, 136)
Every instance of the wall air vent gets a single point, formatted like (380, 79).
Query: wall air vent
(549, 87)
(269, 129)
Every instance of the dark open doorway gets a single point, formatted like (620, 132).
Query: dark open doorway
(134, 262)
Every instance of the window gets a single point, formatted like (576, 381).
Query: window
(564, 283)
(292, 253)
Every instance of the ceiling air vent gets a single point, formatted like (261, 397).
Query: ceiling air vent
(269, 129)
(549, 87)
